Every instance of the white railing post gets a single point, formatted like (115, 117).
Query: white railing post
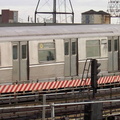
(52, 111)
(43, 111)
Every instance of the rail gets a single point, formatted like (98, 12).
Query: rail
(52, 106)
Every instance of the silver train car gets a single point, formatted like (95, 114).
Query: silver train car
(44, 52)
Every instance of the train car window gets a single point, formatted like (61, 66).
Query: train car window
(24, 53)
(116, 45)
(15, 56)
(46, 51)
(73, 48)
(109, 46)
(93, 48)
(66, 48)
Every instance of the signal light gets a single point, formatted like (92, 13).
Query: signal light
(94, 72)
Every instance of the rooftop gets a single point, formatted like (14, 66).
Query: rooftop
(96, 12)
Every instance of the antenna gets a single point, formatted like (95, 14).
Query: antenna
(55, 11)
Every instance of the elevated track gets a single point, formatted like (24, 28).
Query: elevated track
(27, 101)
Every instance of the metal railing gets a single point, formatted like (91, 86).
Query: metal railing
(52, 106)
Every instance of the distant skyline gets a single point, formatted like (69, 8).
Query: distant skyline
(27, 7)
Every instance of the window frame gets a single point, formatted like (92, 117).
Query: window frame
(99, 50)
(41, 44)
(15, 54)
(24, 51)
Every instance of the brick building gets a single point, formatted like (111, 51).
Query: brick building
(8, 16)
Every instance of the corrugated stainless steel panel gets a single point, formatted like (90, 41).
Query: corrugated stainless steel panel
(71, 57)
(74, 60)
(73, 66)
(104, 67)
(19, 62)
(57, 30)
(6, 75)
(115, 53)
(47, 32)
(46, 71)
(16, 62)
(119, 54)
(67, 58)
(23, 61)
(115, 57)
(110, 62)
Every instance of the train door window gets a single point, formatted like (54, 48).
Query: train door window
(73, 48)
(93, 48)
(66, 48)
(24, 52)
(109, 45)
(116, 45)
(15, 56)
(46, 51)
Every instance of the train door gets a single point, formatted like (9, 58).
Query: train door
(113, 54)
(20, 61)
(71, 57)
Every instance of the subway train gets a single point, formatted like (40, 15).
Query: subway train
(57, 52)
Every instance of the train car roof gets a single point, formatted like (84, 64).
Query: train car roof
(29, 33)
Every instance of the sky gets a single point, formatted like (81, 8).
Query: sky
(27, 7)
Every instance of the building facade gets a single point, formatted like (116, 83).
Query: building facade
(9, 16)
(94, 17)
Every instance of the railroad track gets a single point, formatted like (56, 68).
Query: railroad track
(68, 96)
(73, 111)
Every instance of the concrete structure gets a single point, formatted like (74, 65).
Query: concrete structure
(94, 17)
(9, 16)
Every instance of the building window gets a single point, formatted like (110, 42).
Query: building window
(46, 52)
(93, 48)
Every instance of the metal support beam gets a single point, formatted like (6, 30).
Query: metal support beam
(54, 11)
(72, 11)
(44, 103)
(36, 10)
(52, 111)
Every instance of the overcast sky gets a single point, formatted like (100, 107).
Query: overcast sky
(27, 7)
